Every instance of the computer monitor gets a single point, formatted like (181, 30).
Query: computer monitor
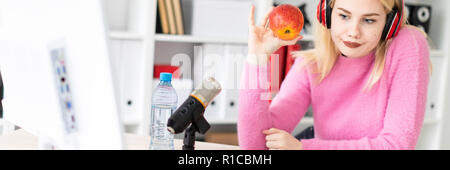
(56, 72)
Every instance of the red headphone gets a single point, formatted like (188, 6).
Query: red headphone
(391, 29)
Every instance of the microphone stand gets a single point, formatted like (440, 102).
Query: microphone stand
(200, 125)
(191, 112)
(189, 137)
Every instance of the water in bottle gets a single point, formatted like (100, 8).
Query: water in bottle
(164, 103)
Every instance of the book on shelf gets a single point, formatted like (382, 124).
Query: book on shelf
(171, 17)
(158, 27)
(178, 16)
(162, 16)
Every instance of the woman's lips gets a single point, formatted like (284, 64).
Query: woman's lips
(351, 44)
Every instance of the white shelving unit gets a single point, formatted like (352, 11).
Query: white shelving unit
(195, 39)
(435, 130)
(123, 35)
(131, 26)
(6, 127)
(133, 21)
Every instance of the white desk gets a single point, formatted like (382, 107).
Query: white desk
(22, 140)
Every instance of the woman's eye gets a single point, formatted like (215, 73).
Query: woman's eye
(370, 21)
(343, 16)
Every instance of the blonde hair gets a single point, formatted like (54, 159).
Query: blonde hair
(325, 53)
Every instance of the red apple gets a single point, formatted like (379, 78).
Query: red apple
(286, 21)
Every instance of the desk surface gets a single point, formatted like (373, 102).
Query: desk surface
(22, 140)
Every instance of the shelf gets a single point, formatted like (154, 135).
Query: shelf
(436, 53)
(429, 121)
(198, 39)
(123, 35)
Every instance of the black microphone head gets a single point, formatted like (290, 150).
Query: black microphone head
(193, 108)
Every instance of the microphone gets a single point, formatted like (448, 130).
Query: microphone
(192, 110)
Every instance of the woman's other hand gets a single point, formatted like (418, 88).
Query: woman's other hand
(277, 139)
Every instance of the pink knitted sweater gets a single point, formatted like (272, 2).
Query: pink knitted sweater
(389, 116)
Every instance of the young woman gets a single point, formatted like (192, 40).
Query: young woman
(366, 81)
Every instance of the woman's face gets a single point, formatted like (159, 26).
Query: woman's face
(357, 26)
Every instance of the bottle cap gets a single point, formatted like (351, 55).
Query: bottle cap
(165, 76)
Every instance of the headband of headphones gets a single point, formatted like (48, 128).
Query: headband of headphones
(391, 29)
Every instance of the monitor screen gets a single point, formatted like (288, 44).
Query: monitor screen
(54, 61)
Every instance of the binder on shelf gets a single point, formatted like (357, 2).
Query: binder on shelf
(158, 69)
(178, 16)
(234, 60)
(433, 88)
(277, 66)
(289, 58)
(171, 17)
(127, 70)
(281, 61)
(162, 12)
(187, 10)
(208, 62)
(225, 64)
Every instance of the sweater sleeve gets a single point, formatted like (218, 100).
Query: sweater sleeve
(408, 76)
(257, 114)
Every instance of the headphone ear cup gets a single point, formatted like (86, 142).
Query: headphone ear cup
(328, 11)
(387, 28)
(393, 22)
(324, 13)
(396, 25)
(319, 12)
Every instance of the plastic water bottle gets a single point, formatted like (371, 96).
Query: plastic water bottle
(164, 103)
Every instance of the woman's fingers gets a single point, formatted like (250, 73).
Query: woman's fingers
(272, 145)
(271, 131)
(251, 19)
(273, 137)
(291, 42)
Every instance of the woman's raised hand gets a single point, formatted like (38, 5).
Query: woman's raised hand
(261, 41)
